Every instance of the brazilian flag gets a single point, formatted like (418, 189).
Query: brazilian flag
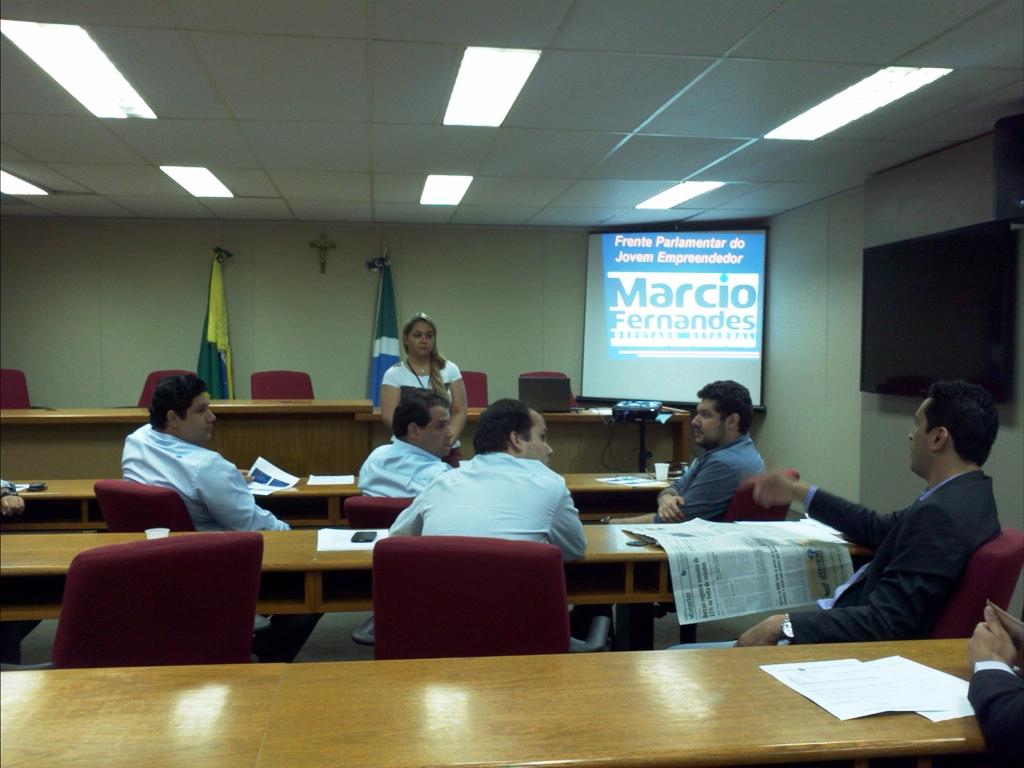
(214, 366)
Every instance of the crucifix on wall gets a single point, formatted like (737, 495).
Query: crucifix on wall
(323, 245)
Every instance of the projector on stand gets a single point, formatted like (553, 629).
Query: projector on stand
(636, 410)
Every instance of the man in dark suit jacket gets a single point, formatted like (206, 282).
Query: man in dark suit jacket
(997, 692)
(921, 551)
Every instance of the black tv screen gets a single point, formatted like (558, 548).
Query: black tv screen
(940, 307)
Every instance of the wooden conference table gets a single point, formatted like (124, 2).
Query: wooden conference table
(658, 708)
(70, 505)
(321, 437)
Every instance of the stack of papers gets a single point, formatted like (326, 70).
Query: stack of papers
(633, 480)
(848, 688)
(340, 540)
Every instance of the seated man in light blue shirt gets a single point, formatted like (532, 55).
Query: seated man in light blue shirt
(720, 425)
(506, 491)
(169, 452)
(423, 436)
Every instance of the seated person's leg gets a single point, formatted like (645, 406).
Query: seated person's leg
(284, 638)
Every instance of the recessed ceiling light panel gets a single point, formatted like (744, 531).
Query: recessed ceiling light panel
(487, 85)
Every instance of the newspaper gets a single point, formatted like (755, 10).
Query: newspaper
(720, 570)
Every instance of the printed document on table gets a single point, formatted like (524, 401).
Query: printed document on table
(848, 688)
(266, 478)
(720, 570)
(340, 539)
(634, 481)
(331, 480)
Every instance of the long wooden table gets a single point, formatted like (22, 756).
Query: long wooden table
(70, 505)
(659, 708)
(323, 437)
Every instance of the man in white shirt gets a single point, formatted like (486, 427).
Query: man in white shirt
(423, 437)
(506, 491)
(169, 452)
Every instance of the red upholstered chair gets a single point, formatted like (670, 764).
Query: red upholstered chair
(743, 506)
(146, 398)
(373, 511)
(551, 375)
(128, 506)
(13, 389)
(181, 600)
(281, 385)
(439, 596)
(476, 389)
(991, 574)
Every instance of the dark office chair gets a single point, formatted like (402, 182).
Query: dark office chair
(281, 385)
(128, 506)
(551, 375)
(373, 511)
(440, 596)
(476, 389)
(13, 389)
(146, 398)
(743, 506)
(991, 574)
(181, 600)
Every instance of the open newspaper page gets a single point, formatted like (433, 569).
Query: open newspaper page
(721, 570)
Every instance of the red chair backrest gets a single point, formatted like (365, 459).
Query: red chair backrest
(991, 574)
(441, 596)
(146, 398)
(476, 389)
(128, 507)
(281, 385)
(743, 506)
(13, 389)
(551, 375)
(373, 511)
(187, 599)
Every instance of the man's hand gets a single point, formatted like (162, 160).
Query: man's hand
(767, 632)
(12, 505)
(246, 477)
(670, 508)
(776, 487)
(990, 642)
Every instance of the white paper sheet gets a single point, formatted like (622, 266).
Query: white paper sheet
(637, 481)
(340, 539)
(266, 478)
(331, 480)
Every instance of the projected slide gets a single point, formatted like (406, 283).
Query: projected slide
(669, 311)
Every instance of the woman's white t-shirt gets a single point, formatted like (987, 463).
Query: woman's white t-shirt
(400, 375)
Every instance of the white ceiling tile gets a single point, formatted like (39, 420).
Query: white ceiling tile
(10, 154)
(141, 13)
(865, 31)
(662, 26)
(330, 210)
(971, 118)
(246, 182)
(163, 207)
(412, 81)
(120, 179)
(520, 24)
(662, 157)
(82, 205)
(494, 191)
(328, 18)
(323, 185)
(495, 215)
(399, 188)
(721, 214)
(65, 139)
(785, 195)
(599, 91)
(655, 218)
(573, 217)
(608, 193)
(248, 208)
(412, 213)
(44, 176)
(311, 146)
(187, 142)
(268, 77)
(747, 99)
(1001, 27)
(13, 206)
(552, 154)
(430, 149)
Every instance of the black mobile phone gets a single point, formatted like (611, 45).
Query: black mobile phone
(363, 537)
(36, 487)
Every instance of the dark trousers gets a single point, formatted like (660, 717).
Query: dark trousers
(11, 635)
(284, 638)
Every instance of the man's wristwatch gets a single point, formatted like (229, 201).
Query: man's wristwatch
(787, 627)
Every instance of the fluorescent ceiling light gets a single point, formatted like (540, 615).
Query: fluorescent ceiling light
(197, 180)
(881, 88)
(673, 196)
(488, 83)
(70, 57)
(444, 190)
(12, 185)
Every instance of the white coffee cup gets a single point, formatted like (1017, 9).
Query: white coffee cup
(661, 470)
(157, 533)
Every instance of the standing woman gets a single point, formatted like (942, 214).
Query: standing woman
(425, 368)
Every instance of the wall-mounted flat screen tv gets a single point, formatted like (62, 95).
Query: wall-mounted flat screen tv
(941, 307)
